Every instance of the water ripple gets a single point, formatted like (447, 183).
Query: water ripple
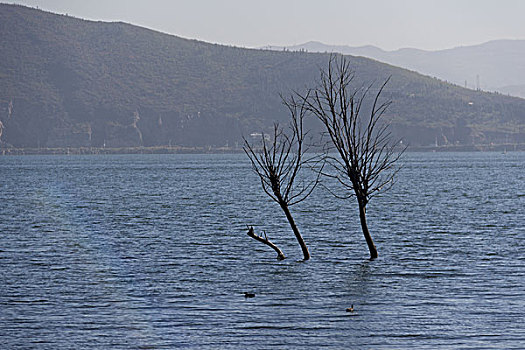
(151, 252)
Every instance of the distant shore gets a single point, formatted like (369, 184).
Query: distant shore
(225, 150)
(119, 150)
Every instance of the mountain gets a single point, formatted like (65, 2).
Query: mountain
(493, 66)
(68, 82)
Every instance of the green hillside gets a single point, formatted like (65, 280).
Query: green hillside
(67, 82)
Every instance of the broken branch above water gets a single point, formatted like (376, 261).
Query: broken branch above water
(266, 241)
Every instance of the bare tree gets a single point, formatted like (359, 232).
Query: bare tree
(365, 154)
(278, 162)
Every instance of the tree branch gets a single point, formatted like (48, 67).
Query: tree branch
(265, 240)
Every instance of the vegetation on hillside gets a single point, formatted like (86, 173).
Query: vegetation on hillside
(67, 82)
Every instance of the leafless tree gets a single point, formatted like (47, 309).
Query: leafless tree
(365, 154)
(278, 162)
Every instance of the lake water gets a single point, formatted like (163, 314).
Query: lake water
(151, 252)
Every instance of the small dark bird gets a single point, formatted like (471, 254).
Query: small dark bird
(249, 295)
(350, 309)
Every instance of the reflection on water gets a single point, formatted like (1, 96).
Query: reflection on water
(151, 251)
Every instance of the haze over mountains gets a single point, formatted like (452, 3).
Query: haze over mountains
(493, 66)
(68, 82)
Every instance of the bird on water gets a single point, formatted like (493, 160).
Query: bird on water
(350, 309)
(249, 295)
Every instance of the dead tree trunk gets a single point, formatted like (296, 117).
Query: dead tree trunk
(366, 233)
(266, 241)
(295, 230)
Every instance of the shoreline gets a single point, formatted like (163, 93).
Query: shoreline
(7, 151)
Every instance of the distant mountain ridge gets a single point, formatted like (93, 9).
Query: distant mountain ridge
(497, 65)
(68, 82)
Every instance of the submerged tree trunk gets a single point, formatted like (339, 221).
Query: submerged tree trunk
(266, 241)
(296, 232)
(366, 233)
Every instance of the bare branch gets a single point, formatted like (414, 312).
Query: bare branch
(265, 240)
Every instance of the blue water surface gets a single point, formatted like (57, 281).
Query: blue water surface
(151, 252)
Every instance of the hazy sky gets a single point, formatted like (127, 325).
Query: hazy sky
(424, 24)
